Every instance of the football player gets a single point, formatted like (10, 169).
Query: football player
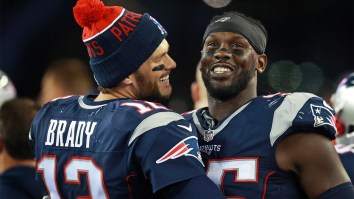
(120, 143)
(275, 146)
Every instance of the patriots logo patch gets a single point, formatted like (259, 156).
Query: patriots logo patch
(186, 147)
(322, 116)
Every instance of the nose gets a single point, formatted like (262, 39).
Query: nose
(170, 63)
(222, 53)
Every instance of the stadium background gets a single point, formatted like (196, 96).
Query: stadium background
(310, 45)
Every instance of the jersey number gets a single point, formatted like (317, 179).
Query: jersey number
(244, 169)
(142, 109)
(75, 167)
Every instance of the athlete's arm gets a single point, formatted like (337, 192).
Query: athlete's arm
(198, 187)
(313, 158)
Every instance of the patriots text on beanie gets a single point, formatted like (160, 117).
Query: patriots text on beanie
(118, 41)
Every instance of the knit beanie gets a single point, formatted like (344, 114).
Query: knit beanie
(118, 41)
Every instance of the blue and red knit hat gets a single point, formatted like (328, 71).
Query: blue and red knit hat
(118, 41)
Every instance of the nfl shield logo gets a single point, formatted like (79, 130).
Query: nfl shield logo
(208, 135)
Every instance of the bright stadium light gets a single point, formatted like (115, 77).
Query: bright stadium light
(217, 3)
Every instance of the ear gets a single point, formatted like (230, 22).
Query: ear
(128, 80)
(262, 63)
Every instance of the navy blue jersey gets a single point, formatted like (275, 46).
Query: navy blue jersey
(346, 155)
(19, 183)
(239, 152)
(120, 148)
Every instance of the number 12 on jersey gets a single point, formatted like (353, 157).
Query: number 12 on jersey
(74, 167)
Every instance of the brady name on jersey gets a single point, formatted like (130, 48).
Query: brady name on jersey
(76, 131)
(80, 154)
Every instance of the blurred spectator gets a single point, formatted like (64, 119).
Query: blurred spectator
(17, 167)
(198, 90)
(7, 88)
(343, 103)
(65, 77)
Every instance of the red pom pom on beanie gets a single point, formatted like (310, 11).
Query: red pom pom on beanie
(87, 12)
(118, 41)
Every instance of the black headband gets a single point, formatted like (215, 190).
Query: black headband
(255, 34)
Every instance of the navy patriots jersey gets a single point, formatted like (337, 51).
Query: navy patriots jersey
(239, 152)
(346, 155)
(120, 148)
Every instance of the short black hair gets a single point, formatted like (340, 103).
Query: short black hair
(16, 116)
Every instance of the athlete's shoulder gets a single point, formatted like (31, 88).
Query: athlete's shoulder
(141, 110)
(295, 97)
(63, 100)
(189, 114)
(141, 106)
(145, 115)
(56, 105)
(298, 103)
(303, 112)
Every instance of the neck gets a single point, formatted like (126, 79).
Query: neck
(7, 162)
(222, 109)
(116, 93)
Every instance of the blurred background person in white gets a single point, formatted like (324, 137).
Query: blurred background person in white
(343, 103)
(7, 88)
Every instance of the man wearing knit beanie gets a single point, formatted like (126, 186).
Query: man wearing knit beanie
(120, 143)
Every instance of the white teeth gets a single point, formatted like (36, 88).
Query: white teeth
(221, 70)
(164, 78)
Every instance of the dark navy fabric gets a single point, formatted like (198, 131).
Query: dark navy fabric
(19, 183)
(239, 152)
(346, 155)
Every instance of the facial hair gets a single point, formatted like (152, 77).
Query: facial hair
(228, 92)
(149, 90)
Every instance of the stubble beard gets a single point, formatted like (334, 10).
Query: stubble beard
(149, 91)
(227, 92)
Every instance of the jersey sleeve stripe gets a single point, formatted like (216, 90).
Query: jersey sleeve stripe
(286, 113)
(154, 121)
